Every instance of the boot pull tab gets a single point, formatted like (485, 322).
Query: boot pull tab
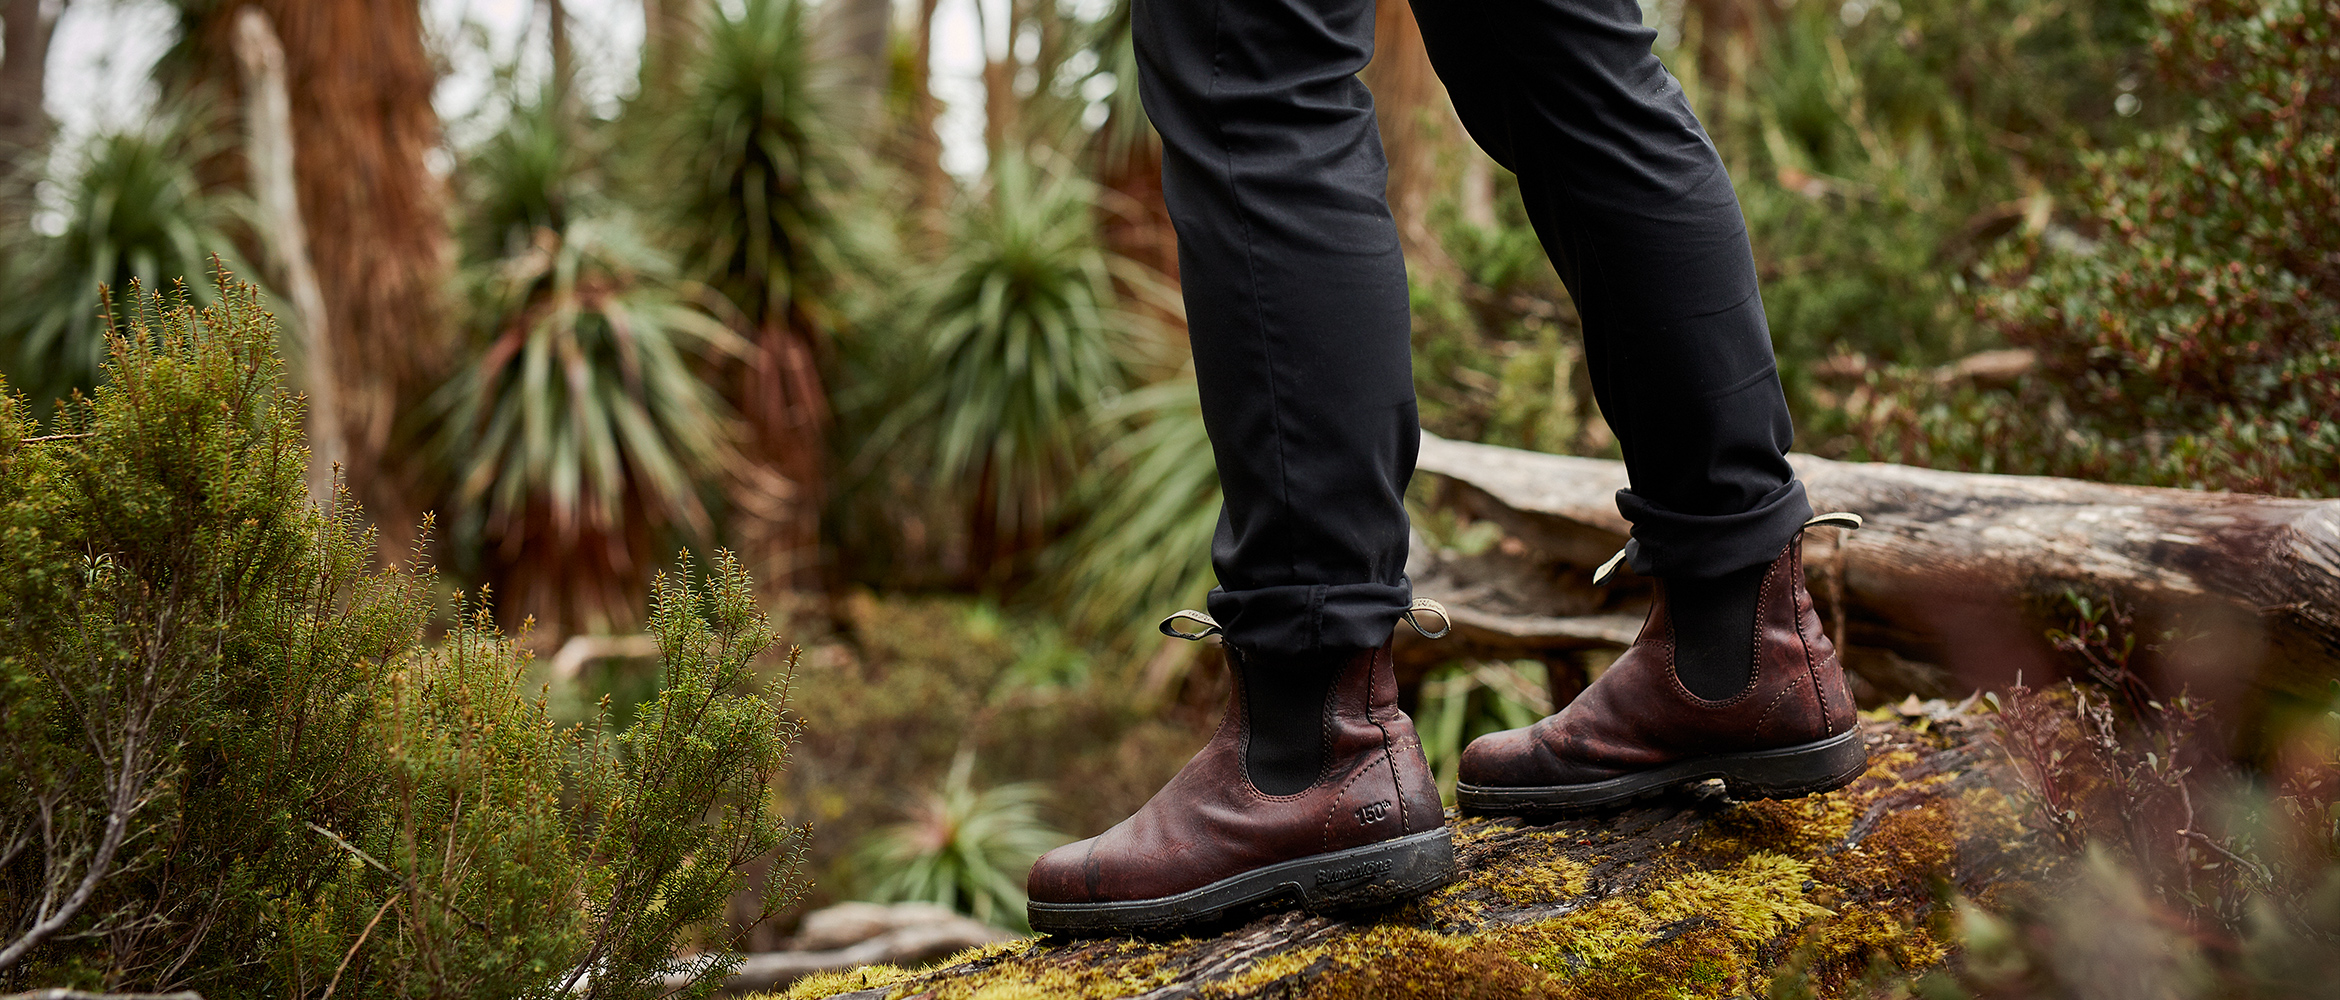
(1838, 519)
(1413, 613)
(1608, 570)
(1211, 625)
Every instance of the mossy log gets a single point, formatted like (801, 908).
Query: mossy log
(1951, 585)
(1694, 896)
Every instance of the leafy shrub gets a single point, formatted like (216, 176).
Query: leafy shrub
(1880, 148)
(2189, 340)
(2189, 876)
(240, 769)
(1498, 350)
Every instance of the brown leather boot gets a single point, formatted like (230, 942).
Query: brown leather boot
(1369, 830)
(1638, 731)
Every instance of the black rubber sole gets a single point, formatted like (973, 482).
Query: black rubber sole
(1354, 879)
(1788, 773)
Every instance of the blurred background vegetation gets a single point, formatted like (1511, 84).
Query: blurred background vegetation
(935, 394)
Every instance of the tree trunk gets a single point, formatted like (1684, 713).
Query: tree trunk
(268, 153)
(667, 30)
(1721, 36)
(1955, 571)
(858, 31)
(24, 124)
(1697, 894)
(1410, 106)
(568, 104)
(931, 190)
(361, 81)
(787, 407)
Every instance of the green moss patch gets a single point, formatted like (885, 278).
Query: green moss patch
(1696, 897)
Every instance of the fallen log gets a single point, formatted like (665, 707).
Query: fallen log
(852, 935)
(1696, 890)
(1957, 570)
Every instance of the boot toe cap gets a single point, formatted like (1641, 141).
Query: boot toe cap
(1065, 875)
(1503, 759)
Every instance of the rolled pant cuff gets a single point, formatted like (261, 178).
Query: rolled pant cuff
(1312, 620)
(1702, 547)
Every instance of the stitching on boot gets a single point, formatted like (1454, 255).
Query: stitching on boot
(1324, 726)
(1372, 684)
(1765, 718)
(1811, 661)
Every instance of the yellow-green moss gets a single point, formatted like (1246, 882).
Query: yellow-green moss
(1126, 968)
(1903, 853)
(1531, 869)
(1549, 882)
(829, 984)
(984, 952)
(1860, 932)
(1696, 934)
(1789, 826)
(1710, 915)
(1267, 970)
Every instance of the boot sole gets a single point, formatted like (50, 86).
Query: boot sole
(1338, 881)
(1788, 773)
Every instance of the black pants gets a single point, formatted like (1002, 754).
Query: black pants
(1296, 292)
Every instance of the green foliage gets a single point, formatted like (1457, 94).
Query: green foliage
(240, 770)
(925, 679)
(2189, 340)
(1005, 360)
(759, 164)
(170, 592)
(583, 430)
(1470, 700)
(134, 212)
(700, 749)
(964, 847)
(2187, 877)
(1881, 148)
(1498, 356)
(1153, 502)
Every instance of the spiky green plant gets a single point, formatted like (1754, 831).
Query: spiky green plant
(134, 212)
(1144, 548)
(964, 847)
(582, 431)
(757, 167)
(1019, 341)
(758, 162)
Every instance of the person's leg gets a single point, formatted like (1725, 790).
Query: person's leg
(1731, 676)
(1296, 306)
(1635, 208)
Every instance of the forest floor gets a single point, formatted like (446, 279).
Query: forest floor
(1691, 896)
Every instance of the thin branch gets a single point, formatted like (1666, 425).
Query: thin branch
(353, 948)
(100, 865)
